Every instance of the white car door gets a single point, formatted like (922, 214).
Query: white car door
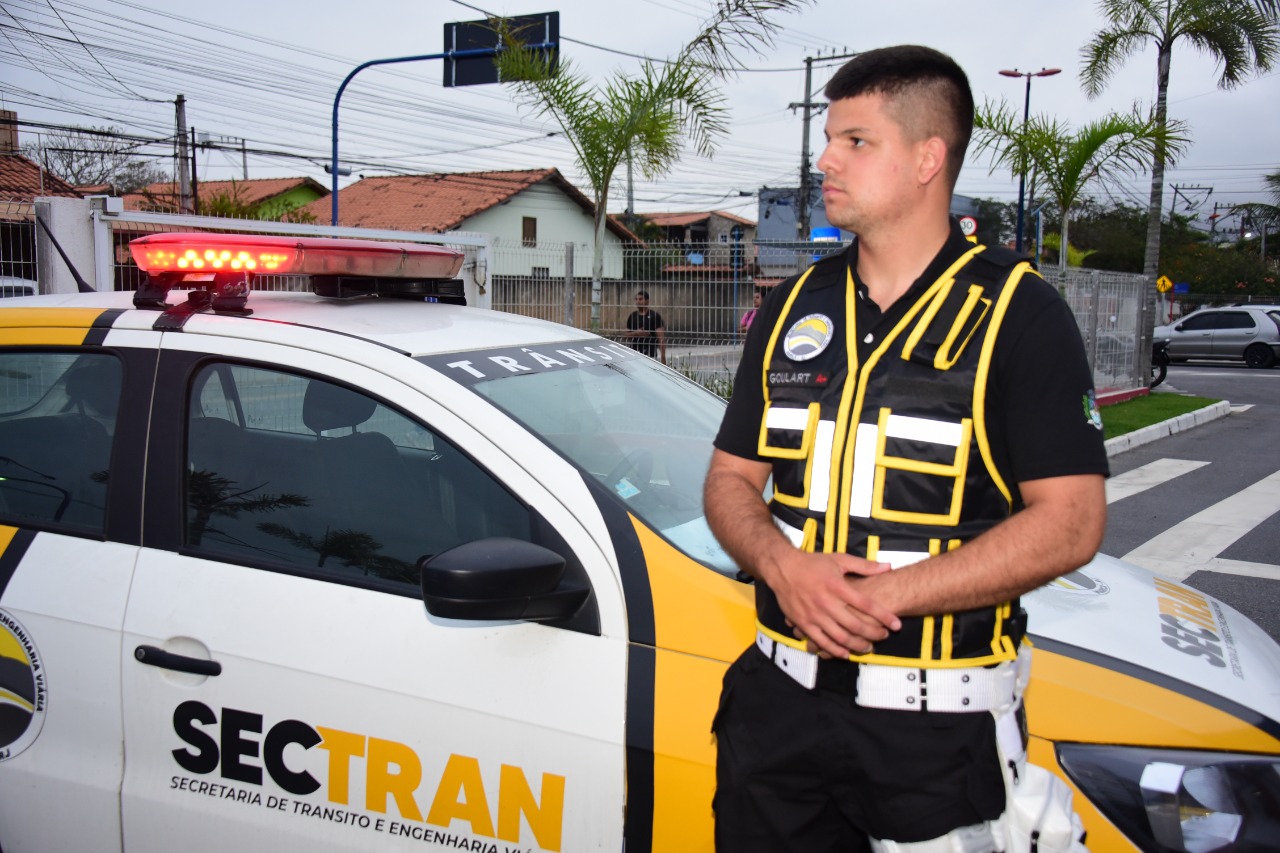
(289, 688)
(66, 559)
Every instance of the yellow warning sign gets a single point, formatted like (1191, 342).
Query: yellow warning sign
(1163, 284)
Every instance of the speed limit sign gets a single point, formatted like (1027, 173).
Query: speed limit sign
(968, 225)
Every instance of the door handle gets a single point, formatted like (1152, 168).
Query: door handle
(153, 656)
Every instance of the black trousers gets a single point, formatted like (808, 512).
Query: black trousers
(801, 770)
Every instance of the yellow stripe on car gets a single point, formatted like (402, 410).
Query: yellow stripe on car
(47, 326)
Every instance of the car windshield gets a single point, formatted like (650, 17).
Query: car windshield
(642, 430)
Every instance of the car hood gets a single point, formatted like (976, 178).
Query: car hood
(1159, 630)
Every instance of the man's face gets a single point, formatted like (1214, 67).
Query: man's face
(868, 166)
(642, 303)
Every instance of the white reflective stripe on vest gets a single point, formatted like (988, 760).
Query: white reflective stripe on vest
(864, 470)
(867, 446)
(787, 418)
(898, 559)
(924, 429)
(794, 534)
(820, 472)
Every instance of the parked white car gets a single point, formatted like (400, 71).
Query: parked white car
(1241, 332)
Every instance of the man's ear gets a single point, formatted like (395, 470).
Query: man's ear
(932, 159)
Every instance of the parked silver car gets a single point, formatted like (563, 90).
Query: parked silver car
(1249, 332)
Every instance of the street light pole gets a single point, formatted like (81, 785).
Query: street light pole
(1026, 114)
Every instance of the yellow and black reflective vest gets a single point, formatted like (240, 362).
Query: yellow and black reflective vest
(889, 459)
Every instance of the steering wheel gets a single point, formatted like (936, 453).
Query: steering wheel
(640, 461)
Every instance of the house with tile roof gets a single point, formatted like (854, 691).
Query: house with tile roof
(22, 181)
(534, 210)
(707, 226)
(266, 198)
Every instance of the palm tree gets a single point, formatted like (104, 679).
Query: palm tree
(648, 116)
(1069, 162)
(1240, 34)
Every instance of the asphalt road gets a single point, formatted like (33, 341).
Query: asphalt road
(1211, 515)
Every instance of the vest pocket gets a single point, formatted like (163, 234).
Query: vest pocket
(787, 430)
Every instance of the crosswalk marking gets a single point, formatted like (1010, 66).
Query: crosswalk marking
(1152, 474)
(1195, 544)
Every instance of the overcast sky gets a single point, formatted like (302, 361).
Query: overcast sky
(267, 73)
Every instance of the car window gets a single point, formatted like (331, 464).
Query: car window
(57, 418)
(639, 429)
(289, 469)
(1235, 320)
(1274, 317)
(1200, 322)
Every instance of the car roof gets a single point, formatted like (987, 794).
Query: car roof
(411, 326)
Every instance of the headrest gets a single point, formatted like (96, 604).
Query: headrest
(327, 407)
(94, 383)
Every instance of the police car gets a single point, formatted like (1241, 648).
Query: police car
(363, 568)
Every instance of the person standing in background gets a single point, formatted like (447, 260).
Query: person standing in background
(645, 330)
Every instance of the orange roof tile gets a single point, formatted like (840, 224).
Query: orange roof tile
(439, 202)
(667, 220)
(164, 195)
(23, 180)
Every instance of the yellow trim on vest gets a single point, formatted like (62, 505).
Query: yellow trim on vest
(781, 638)
(926, 663)
(809, 537)
(926, 638)
(837, 518)
(857, 378)
(948, 634)
(773, 336)
(941, 361)
(984, 367)
(806, 438)
(956, 471)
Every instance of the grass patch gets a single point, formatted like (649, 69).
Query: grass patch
(1144, 411)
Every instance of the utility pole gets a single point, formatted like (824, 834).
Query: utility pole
(810, 107)
(184, 188)
(631, 195)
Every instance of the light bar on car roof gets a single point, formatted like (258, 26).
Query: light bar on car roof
(281, 255)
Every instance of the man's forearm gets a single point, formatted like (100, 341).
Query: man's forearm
(741, 521)
(1045, 540)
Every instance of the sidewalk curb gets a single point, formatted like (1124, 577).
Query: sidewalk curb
(1148, 434)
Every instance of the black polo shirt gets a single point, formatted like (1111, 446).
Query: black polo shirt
(1040, 397)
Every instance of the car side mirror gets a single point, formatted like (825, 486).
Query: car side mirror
(500, 579)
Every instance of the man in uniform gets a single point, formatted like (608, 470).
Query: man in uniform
(926, 411)
(645, 331)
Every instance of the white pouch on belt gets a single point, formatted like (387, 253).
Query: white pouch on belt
(1038, 817)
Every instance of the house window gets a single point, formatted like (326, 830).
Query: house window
(529, 229)
(724, 238)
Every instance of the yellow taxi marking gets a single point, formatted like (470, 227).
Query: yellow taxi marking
(47, 326)
(1071, 700)
(6, 536)
(695, 610)
(1100, 833)
(702, 622)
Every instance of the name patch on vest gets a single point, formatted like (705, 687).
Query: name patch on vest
(798, 378)
(808, 337)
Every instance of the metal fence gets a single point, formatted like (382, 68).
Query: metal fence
(1108, 310)
(701, 290)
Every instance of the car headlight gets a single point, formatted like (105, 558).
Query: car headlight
(1180, 800)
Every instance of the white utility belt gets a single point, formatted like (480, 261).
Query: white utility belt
(901, 688)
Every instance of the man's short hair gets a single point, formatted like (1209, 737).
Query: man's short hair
(928, 94)
(643, 293)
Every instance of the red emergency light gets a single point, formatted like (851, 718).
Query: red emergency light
(262, 254)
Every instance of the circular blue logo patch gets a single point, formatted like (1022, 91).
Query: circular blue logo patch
(808, 337)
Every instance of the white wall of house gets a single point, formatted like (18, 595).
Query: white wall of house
(559, 220)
